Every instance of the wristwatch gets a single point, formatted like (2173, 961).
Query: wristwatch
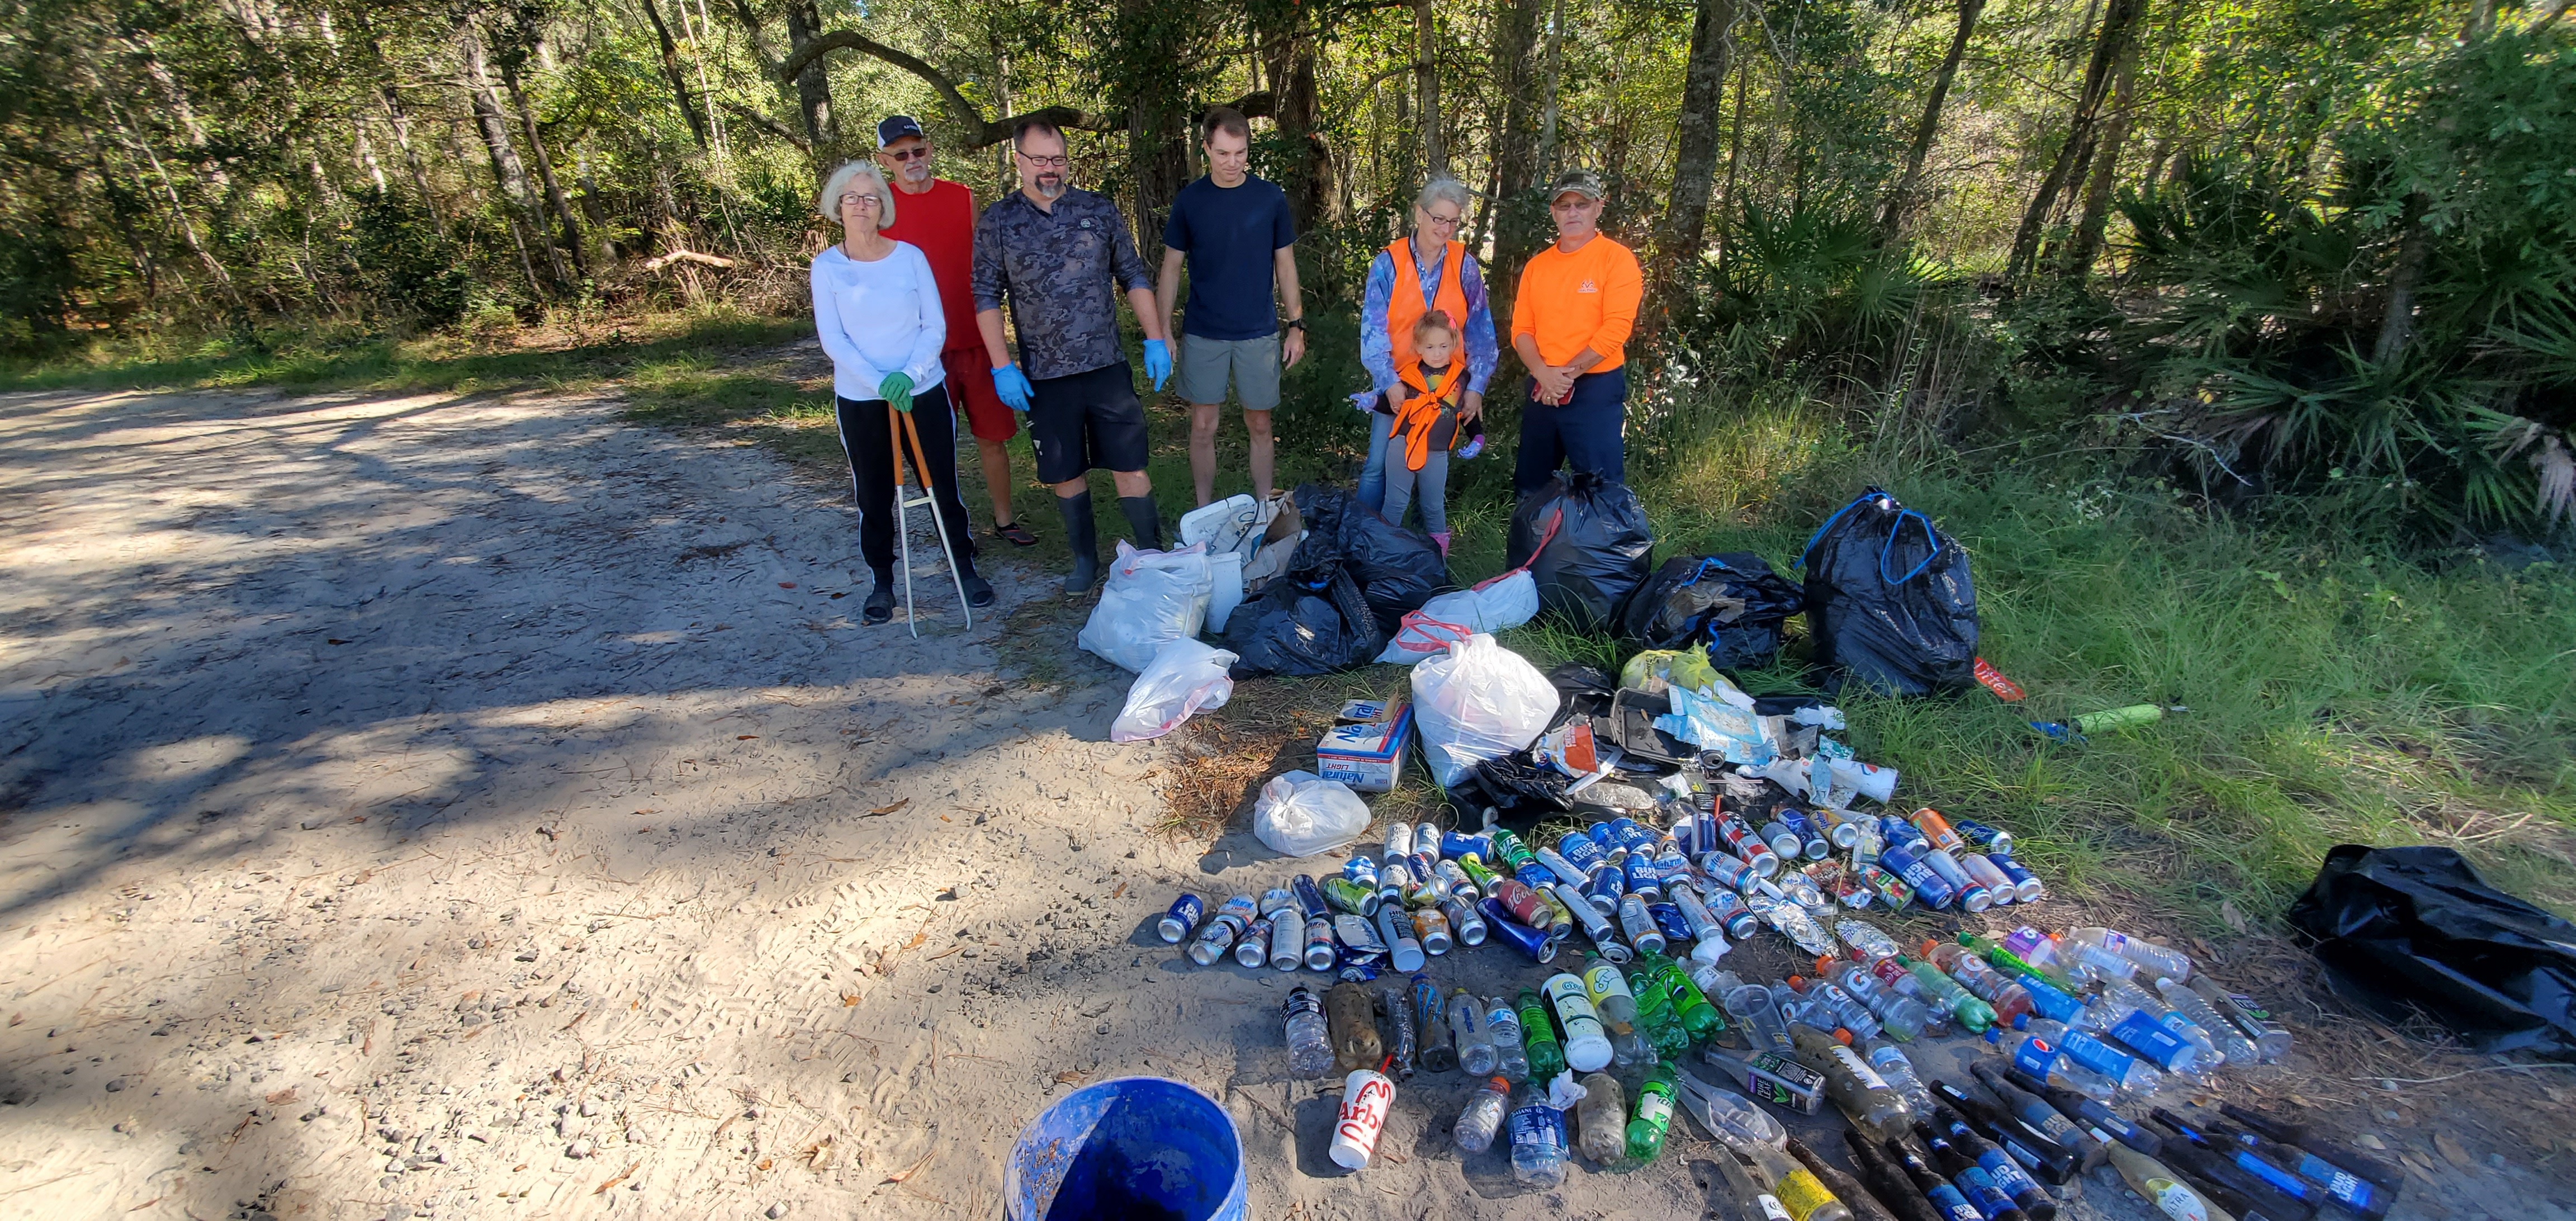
(1298, 323)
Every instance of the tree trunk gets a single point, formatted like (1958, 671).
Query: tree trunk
(2087, 243)
(1426, 88)
(1901, 200)
(671, 71)
(814, 85)
(2118, 24)
(516, 198)
(1555, 74)
(545, 166)
(2414, 247)
(1516, 234)
(1695, 138)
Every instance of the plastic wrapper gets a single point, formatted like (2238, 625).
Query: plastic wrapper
(1300, 814)
(1185, 678)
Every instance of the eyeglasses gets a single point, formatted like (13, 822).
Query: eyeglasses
(1444, 222)
(1047, 163)
(916, 153)
(864, 200)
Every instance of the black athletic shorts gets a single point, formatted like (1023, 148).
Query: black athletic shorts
(1086, 421)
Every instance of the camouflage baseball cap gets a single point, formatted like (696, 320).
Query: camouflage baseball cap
(1581, 182)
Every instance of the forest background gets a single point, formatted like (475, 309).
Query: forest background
(2237, 337)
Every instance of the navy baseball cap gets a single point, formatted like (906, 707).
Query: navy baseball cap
(896, 127)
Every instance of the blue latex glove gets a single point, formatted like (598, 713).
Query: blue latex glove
(1158, 362)
(1013, 386)
(896, 390)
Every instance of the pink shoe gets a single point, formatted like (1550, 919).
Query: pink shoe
(1442, 540)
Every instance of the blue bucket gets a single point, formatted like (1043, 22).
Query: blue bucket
(1128, 1149)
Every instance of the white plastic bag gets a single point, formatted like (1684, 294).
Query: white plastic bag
(1227, 568)
(1152, 598)
(1300, 814)
(1186, 677)
(1506, 601)
(1476, 702)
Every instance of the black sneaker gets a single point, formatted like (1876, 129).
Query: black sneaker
(979, 592)
(880, 604)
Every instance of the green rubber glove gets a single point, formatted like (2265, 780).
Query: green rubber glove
(896, 390)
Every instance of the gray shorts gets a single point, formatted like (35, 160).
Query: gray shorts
(1252, 363)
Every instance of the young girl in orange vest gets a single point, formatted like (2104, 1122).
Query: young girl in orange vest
(1426, 428)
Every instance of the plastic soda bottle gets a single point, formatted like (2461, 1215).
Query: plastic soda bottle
(1467, 1031)
(1484, 1116)
(1608, 989)
(1894, 1068)
(1538, 1140)
(1691, 1005)
(1729, 1116)
(1654, 1113)
(1439, 1050)
(1503, 1026)
(1538, 1038)
(1863, 1096)
(1989, 985)
(1587, 1046)
(1601, 1120)
(1657, 1020)
(1970, 1013)
(1310, 1046)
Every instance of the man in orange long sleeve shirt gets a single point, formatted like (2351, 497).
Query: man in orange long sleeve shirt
(1570, 320)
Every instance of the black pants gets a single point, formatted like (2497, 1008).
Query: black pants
(867, 438)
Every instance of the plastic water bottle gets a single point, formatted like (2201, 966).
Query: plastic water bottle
(2159, 960)
(2271, 1040)
(1538, 1140)
(1897, 1071)
(1628, 1049)
(1729, 1116)
(2009, 999)
(1900, 1018)
(1653, 1116)
(2138, 1000)
(1503, 1027)
(1846, 1012)
(1475, 1047)
(1439, 1051)
(1310, 1046)
(1538, 1038)
(1484, 1116)
(1395, 1008)
(1608, 989)
(1601, 1120)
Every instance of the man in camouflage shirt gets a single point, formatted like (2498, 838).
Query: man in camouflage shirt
(1057, 252)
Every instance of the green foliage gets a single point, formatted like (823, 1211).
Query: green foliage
(412, 266)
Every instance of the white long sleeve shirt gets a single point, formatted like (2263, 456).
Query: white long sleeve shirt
(878, 318)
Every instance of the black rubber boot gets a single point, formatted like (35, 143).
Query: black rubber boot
(1081, 539)
(979, 592)
(880, 604)
(1143, 521)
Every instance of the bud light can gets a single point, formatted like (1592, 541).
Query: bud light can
(1630, 835)
(1906, 862)
(1605, 887)
(1454, 845)
(1184, 916)
(1535, 874)
(1602, 837)
(1642, 878)
(1579, 850)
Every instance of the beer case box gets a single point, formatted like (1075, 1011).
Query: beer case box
(1368, 756)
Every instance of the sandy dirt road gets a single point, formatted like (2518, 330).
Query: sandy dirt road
(484, 808)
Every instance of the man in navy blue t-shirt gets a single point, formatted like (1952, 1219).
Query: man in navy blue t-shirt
(1235, 232)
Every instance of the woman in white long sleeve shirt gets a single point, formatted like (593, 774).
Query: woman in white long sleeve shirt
(876, 310)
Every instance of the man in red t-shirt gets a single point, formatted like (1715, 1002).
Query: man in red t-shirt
(938, 216)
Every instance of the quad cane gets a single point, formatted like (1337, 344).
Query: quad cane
(908, 436)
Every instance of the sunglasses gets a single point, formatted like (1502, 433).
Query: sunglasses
(908, 154)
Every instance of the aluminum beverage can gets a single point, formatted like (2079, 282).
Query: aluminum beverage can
(1727, 870)
(1949, 868)
(1361, 868)
(1907, 863)
(1668, 917)
(1561, 867)
(1990, 876)
(1695, 914)
(1509, 849)
(1749, 847)
(1893, 830)
(1603, 837)
(1639, 926)
(1500, 925)
(1463, 919)
(1431, 928)
(1522, 903)
(1427, 887)
(1474, 867)
(1183, 917)
(1783, 842)
(1578, 848)
(1535, 874)
(1685, 835)
(1277, 898)
(1287, 940)
(1605, 886)
(1731, 911)
(1813, 843)
(1357, 934)
(1346, 895)
(1454, 880)
(1399, 840)
(1982, 837)
(1631, 835)
(1891, 889)
(1218, 937)
(1938, 830)
(2026, 885)
(1310, 898)
(1704, 833)
(1367, 1094)
(1394, 879)
(1426, 841)
(1842, 829)
(1319, 944)
(1640, 875)
(1670, 865)
(1560, 918)
(1254, 949)
(1453, 845)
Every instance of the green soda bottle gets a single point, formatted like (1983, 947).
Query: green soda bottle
(1699, 1017)
(2012, 964)
(1656, 1019)
(1654, 1116)
(1538, 1036)
(1972, 1014)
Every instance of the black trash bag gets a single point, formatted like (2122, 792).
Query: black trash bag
(1732, 603)
(1398, 569)
(1581, 690)
(1521, 793)
(1889, 603)
(2417, 928)
(1299, 628)
(1598, 548)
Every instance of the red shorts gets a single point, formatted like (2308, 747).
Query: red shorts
(969, 376)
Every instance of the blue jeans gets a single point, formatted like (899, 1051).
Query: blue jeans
(1372, 490)
(1583, 434)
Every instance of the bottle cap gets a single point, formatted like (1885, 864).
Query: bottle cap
(1844, 1035)
(2021, 1021)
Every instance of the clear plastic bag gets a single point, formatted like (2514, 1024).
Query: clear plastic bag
(1152, 598)
(1300, 814)
(1186, 677)
(1476, 702)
